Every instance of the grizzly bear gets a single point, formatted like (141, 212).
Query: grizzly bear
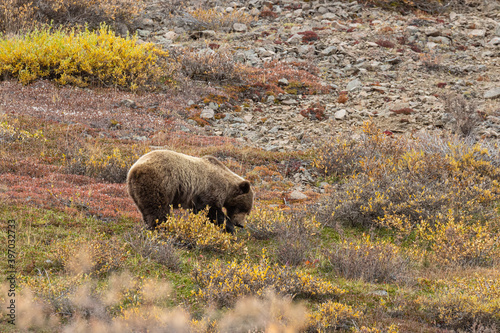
(164, 178)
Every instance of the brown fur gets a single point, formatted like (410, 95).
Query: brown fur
(163, 178)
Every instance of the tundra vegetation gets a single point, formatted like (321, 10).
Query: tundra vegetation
(405, 237)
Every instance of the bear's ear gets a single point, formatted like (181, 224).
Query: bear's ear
(244, 187)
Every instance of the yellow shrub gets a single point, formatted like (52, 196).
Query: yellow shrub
(96, 257)
(10, 133)
(391, 329)
(461, 302)
(368, 260)
(83, 58)
(196, 230)
(212, 18)
(410, 179)
(110, 166)
(459, 240)
(331, 316)
(224, 283)
(265, 223)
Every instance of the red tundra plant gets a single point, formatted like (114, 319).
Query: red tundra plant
(308, 36)
(314, 112)
(268, 14)
(385, 43)
(406, 111)
(62, 191)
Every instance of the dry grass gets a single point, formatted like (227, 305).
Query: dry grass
(19, 15)
(376, 262)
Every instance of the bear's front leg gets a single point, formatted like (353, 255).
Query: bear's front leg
(217, 216)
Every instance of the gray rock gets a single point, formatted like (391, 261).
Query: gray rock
(207, 113)
(329, 16)
(295, 39)
(494, 42)
(394, 60)
(340, 114)
(238, 120)
(240, 27)
(208, 34)
(380, 293)
(306, 50)
(145, 23)
(143, 33)
(275, 129)
(492, 93)
(289, 102)
(128, 103)
(329, 51)
(354, 84)
(322, 10)
(270, 99)
(283, 82)
(339, 26)
(477, 33)
(213, 106)
(171, 35)
(433, 32)
(440, 40)
(297, 195)
(271, 148)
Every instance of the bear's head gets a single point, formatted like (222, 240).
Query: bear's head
(240, 203)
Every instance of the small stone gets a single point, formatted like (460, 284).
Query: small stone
(171, 35)
(270, 99)
(240, 27)
(297, 195)
(477, 33)
(329, 50)
(339, 26)
(283, 82)
(248, 118)
(295, 39)
(128, 103)
(329, 16)
(322, 10)
(275, 129)
(207, 113)
(143, 33)
(146, 22)
(354, 84)
(213, 106)
(494, 42)
(380, 293)
(433, 32)
(340, 114)
(492, 93)
(306, 49)
(289, 102)
(394, 60)
(208, 34)
(440, 40)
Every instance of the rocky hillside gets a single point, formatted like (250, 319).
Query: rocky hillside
(397, 69)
